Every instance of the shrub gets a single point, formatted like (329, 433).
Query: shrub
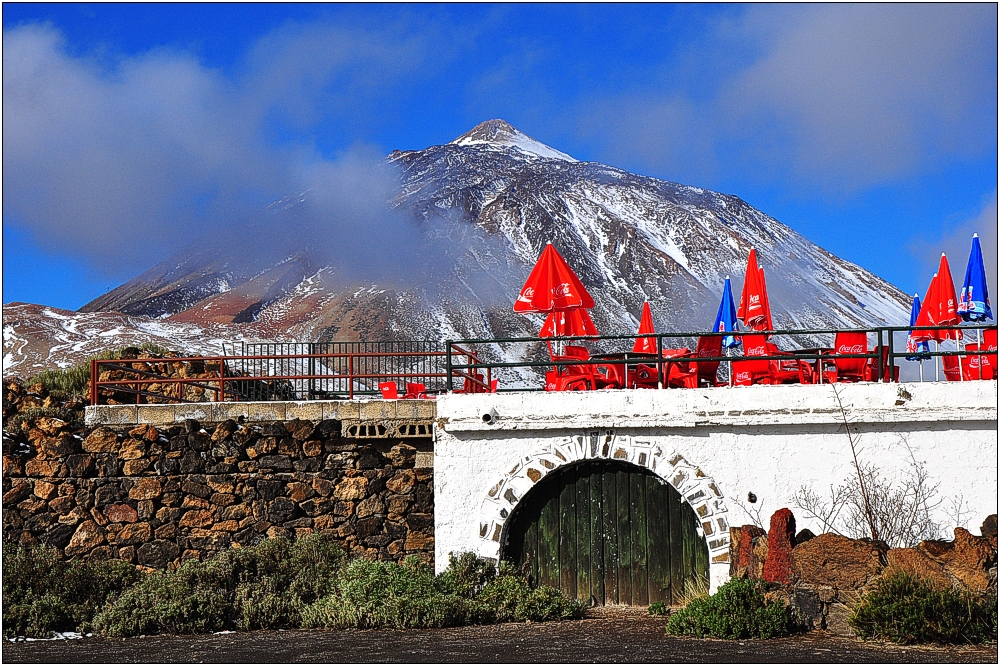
(17, 421)
(904, 609)
(73, 380)
(42, 593)
(385, 594)
(471, 591)
(659, 608)
(263, 587)
(737, 610)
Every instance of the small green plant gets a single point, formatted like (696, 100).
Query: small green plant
(73, 380)
(17, 421)
(903, 609)
(659, 608)
(737, 610)
(264, 587)
(42, 593)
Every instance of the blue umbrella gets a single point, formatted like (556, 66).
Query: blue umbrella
(974, 304)
(920, 350)
(726, 319)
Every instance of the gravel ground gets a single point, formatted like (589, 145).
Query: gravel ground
(609, 636)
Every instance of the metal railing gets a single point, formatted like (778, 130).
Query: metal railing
(333, 370)
(309, 371)
(888, 349)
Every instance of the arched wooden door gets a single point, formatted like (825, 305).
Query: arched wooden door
(607, 533)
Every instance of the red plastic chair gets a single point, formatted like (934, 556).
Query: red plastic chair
(571, 377)
(990, 345)
(977, 366)
(950, 365)
(781, 371)
(693, 373)
(847, 369)
(747, 373)
(389, 390)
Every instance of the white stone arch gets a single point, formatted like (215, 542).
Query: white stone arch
(695, 487)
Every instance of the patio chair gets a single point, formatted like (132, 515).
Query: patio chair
(749, 372)
(389, 390)
(951, 368)
(583, 377)
(846, 369)
(781, 371)
(692, 373)
(976, 366)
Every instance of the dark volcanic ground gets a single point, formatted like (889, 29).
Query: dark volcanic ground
(614, 637)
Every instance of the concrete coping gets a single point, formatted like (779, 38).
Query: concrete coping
(216, 412)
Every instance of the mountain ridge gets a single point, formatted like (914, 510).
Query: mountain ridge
(486, 203)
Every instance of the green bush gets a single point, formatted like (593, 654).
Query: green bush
(42, 593)
(264, 587)
(659, 608)
(903, 609)
(275, 584)
(385, 594)
(471, 591)
(74, 380)
(737, 610)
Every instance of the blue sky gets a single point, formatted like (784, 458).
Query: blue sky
(129, 129)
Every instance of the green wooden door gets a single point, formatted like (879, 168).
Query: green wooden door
(607, 533)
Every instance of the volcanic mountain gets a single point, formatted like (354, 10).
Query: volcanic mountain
(484, 206)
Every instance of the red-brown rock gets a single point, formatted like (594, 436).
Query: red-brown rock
(916, 563)
(780, 541)
(87, 535)
(120, 513)
(836, 561)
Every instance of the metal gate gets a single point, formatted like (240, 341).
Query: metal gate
(608, 533)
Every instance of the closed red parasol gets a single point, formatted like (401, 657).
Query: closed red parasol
(754, 310)
(576, 322)
(645, 345)
(552, 286)
(939, 306)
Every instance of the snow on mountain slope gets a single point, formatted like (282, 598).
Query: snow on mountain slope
(488, 202)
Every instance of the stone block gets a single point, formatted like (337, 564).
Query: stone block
(378, 410)
(265, 411)
(836, 561)
(231, 411)
(780, 541)
(87, 535)
(112, 415)
(307, 410)
(156, 414)
(341, 409)
(197, 411)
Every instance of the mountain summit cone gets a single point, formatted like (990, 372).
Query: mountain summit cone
(500, 133)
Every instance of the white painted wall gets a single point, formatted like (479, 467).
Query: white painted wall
(769, 440)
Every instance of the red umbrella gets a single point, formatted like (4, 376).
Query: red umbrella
(645, 345)
(754, 310)
(939, 306)
(767, 302)
(570, 323)
(552, 286)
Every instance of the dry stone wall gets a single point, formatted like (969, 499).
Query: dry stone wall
(156, 497)
(822, 576)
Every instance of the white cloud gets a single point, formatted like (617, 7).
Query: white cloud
(838, 97)
(956, 242)
(124, 163)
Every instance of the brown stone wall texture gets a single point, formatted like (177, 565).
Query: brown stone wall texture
(158, 497)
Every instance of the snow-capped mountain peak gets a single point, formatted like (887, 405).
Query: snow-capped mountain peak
(502, 134)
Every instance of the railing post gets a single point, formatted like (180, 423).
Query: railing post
(878, 349)
(350, 376)
(448, 384)
(892, 357)
(93, 381)
(220, 395)
(659, 361)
